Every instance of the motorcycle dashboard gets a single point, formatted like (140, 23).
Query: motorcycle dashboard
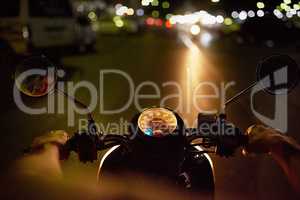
(157, 122)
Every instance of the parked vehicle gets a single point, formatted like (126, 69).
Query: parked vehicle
(28, 25)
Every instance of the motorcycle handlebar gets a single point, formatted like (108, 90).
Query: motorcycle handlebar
(87, 145)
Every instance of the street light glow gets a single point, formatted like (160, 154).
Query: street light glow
(154, 2)
(121, 10)
(260, 5)
(140, 12)
(117, 6)
(234, 14)
(206, 39)
(260, 13)
(296, 6)
(208, 20)
(155, 13)
(278, 14)
(195, 29)
(119, 23)
(168, 16)
(220, 19)
(130, 11)
(251, 13)
(228, 21)
(287, 1)
(289, 15)
(165, 5)
(92, 15)
(243, 15)
(146, 2)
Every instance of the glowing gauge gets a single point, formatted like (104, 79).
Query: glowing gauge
(157, 122)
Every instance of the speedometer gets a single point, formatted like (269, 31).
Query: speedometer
(157, 122)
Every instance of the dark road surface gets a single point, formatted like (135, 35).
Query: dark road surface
(156, 58)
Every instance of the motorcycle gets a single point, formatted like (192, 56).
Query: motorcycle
(159, 144)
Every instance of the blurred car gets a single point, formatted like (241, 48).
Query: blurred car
(86, 36)
(28, 25)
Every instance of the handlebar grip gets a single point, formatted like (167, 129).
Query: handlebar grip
(64, 152)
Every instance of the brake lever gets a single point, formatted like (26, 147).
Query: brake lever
(225, 145)
(87, 145)
(84, 144)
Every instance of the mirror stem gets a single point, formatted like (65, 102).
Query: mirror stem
(77, 102)
(235, 97)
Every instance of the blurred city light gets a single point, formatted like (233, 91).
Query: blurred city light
(189, 43)
(260, 5)
(251, 13)
(150, 21)
(92, 15)
(117, 6)
(155, 3)
(184, 19)
(289, 15)
(168, 16)
(122, 10)
(220, 19)
(140, 12)
(243, 15)
(228, 21)
(168, 24)
(278, 14)
(130, 11)
(206, 39)
(195, 29)
(283, 6)
(155, 13)
(260, 13)
(166, 4)
(119, 23)
(193, 22)
(208, 20)
(146, 2)
(25, 32)
(158, 22)
(234, 14)
(296, 6)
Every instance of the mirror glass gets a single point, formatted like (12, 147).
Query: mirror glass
(35, 76)
(278, 74)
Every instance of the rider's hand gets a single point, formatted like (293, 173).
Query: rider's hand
(285, 150)
(44, 157)
(53, 138)
(262, 139)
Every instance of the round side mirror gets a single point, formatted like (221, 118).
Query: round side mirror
(278, 74)
(35, 76)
